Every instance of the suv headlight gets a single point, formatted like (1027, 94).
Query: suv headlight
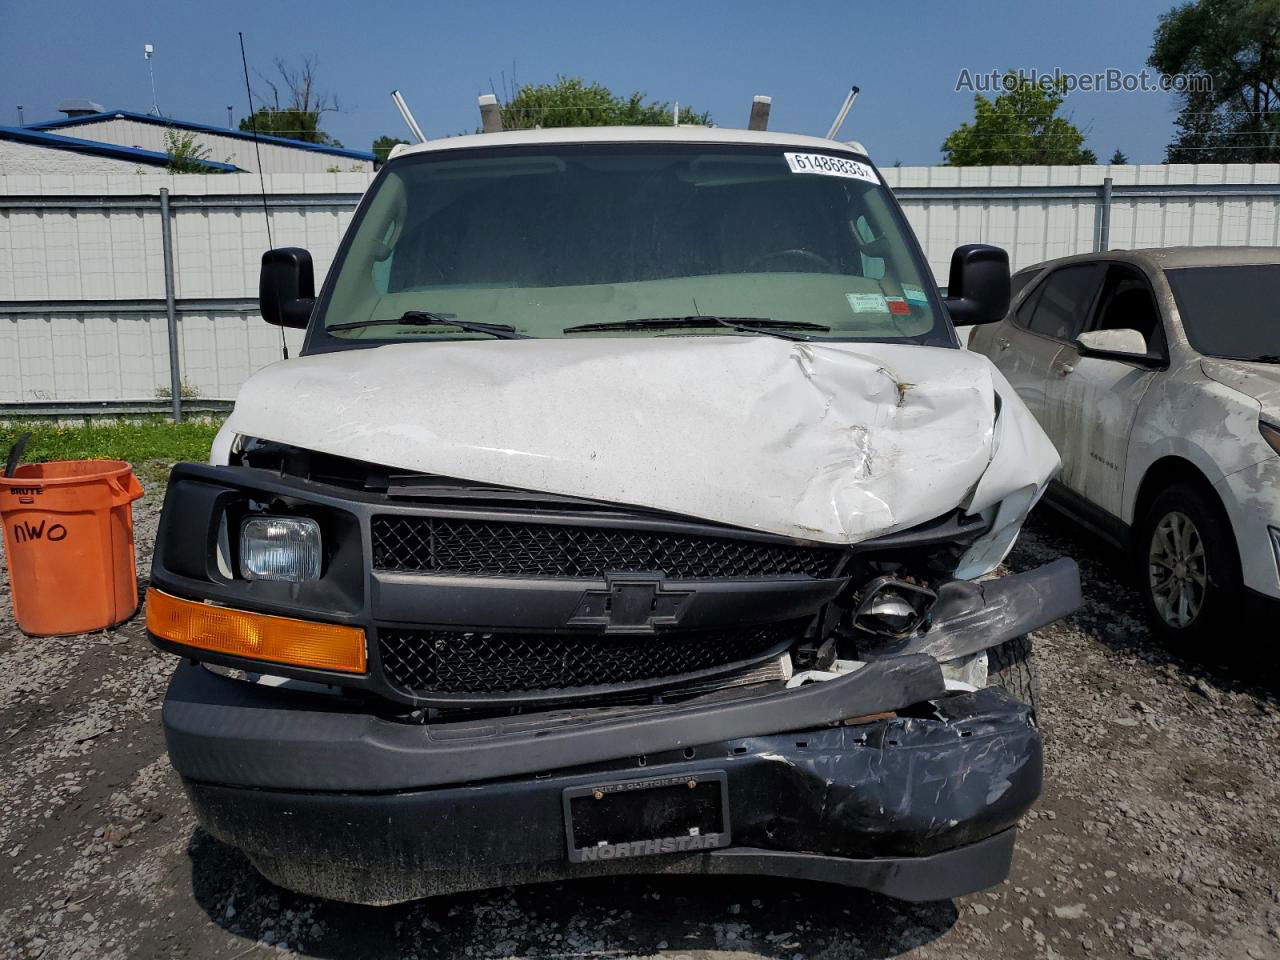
(280, 548)
(1271, 434)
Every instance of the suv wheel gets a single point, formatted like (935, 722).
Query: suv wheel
(1188, 568)
(1012, 666)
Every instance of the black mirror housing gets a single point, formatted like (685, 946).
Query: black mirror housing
(1145, 360)
(978, 290)
(286, 287)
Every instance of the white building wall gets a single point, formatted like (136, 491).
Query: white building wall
(223, 149)
(28, 158)
(109, 254)
(1043, 228)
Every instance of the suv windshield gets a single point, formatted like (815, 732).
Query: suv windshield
(1230, 312)
(544, 239)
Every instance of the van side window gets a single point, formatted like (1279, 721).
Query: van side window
(872, 267)
(1063, 302)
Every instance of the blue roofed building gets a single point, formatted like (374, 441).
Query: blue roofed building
(144, 131)
(24, 150)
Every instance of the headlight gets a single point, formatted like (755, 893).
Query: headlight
(280, 548)
(1271, 434)
(892, 608)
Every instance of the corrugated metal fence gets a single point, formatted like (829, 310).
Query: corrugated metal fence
(82, 280)
(1038, 213)
(82, 289)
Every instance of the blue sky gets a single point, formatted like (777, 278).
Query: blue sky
(906, 57)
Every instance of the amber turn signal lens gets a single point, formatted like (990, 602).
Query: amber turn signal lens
(255, 636)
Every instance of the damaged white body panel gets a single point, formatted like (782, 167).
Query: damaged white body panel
(1131, 426)
(834, 443)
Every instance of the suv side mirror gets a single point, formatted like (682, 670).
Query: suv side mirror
(1127, 346)
(286, 287)
(978, 289)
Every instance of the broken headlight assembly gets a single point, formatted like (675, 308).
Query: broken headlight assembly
(891, 608)
(280, 548)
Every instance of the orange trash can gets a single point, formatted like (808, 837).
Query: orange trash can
(68, 539)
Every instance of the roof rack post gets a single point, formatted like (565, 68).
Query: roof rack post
(408, 117)
(759, 119)
(490, 113)
(844, 112)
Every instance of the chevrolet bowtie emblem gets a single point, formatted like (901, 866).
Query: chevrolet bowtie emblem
(630, 604)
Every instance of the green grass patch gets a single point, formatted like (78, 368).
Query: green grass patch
(150, 443)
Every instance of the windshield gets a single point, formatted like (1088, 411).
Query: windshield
(1230, 312)
(544, 239)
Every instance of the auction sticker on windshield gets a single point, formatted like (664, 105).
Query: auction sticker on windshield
(867, 302)
(830, 166)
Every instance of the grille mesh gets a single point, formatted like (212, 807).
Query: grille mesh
(438, 661)
(489, 548)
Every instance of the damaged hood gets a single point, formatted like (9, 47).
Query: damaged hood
(1261, 381)
(826, 442)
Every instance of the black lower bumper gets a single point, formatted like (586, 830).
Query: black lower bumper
(919, 806)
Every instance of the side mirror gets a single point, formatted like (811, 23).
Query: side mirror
(286, 287)
(978, 289)
(1127, 346)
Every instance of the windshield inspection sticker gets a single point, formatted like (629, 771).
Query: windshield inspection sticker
(867, 303)
(914, 294)
(830, 166)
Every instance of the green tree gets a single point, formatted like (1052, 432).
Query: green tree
(1228, 52)
(298, 115)
(1019, 126)
(382, 147)
(289, 124)
(1118, 159)
(185, 154)
(572, 102)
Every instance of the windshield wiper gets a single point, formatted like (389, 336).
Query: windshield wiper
(421, 318)
(703, 321)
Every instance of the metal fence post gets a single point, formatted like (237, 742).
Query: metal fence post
(166, 240)
(1104, 217)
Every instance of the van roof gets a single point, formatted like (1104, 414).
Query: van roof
(673, 134)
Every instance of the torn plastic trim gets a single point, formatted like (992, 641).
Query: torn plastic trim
(862, 801)
(940, 876)
(971, 617)
(220, 730)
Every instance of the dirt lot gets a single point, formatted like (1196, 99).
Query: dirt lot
(1156, 836)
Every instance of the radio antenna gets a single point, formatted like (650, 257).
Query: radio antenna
(262, 180)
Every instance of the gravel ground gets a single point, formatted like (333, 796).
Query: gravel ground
(1156, 835)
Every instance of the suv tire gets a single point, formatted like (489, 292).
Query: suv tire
(1012, 666)
(1187, 566)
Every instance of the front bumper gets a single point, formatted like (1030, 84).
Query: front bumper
(1249, 497)
(331, 801)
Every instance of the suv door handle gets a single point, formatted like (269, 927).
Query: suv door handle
(1064, 369)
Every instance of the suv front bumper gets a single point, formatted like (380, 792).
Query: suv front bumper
(330, 800)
